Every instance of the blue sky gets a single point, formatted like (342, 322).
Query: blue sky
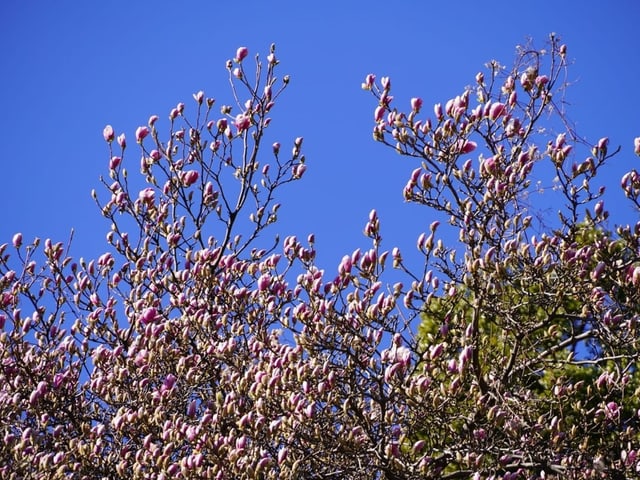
(70, 68)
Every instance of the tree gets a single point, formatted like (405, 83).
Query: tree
(197, 348)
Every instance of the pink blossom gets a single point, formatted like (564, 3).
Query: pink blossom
(497, 109)
(199, 97)
(416, 104)
(189, 177)
(636, 146)
(108, 134)
(602, 143)
(379, 113)
(611, 409)
(17, 240)
(596, 274)
(122, 140)
(114, 162)
(263, 282)
(148, 315)
(368, 82)
(242, 122)
(241, 54)
(147, 195)
(465, 146)
(298, 170)
(282, 455)
(141, 132)
(541, 81)
(152, 120)
(169, 382)
(437, 109)
(310, 410)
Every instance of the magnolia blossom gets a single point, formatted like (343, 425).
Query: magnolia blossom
(17, 240)
(108, 133)
(241, 54)
(497, 109)
(189, 177)
(147, 196)
(242, 122)
(141, 132)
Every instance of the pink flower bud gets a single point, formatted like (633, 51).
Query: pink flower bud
(385, 82)
(114, 162)
(241, 54)
(525, 81)
(191, 408)
(242, 122)
(636, 146)
(599, 208)
(169, 382)
(108, 134)
(368, 82)
(437, 109)
(310, 410)
(282, 455)
(379, 113)
(276, 148)
(199, 97)
(596, 274)
(147, 196)
(141, 132)
(17, 240)
(152, 120)
(602, 144)
(298, 170)
(148, 315)
(465, 146)
(122, 141)
(189, 177)
(497, 109)
(541, 81)
(263, 282)
(416, 104)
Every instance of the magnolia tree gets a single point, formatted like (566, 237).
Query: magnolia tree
(200, 346)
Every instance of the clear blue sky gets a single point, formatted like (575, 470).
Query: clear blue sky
(70, 68)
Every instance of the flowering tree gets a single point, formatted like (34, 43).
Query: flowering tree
(196, 348)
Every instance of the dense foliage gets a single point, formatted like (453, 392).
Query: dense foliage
(198, 346)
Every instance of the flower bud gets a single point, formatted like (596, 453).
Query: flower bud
(368, 82)
(241, 54)
(496, 110)
(141, 132)
(108, 134)
(17, 240)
